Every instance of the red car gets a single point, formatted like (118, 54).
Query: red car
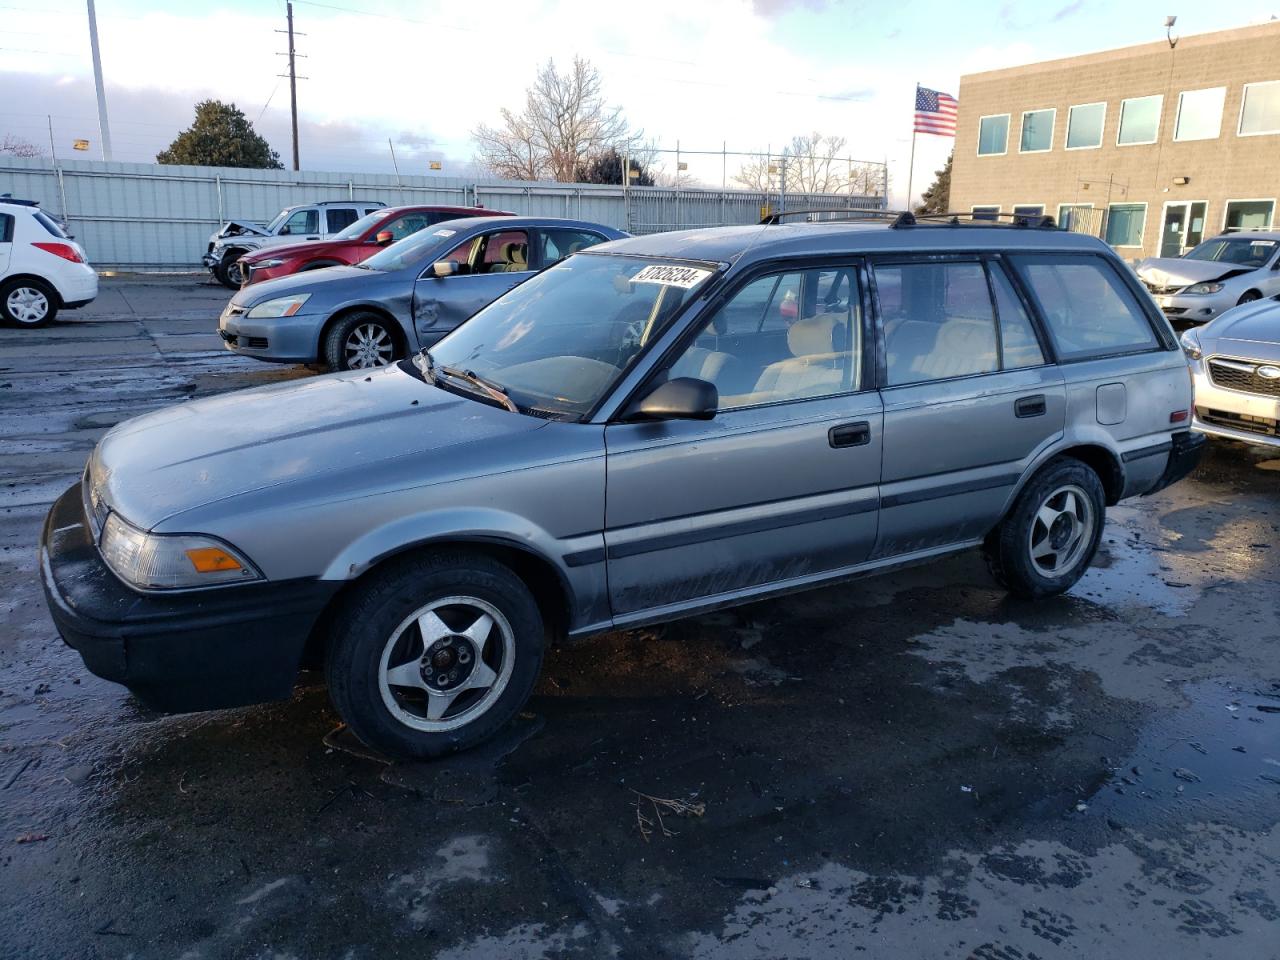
(361, 239)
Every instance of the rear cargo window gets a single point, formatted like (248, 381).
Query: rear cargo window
(1087, 307)
(339, 217)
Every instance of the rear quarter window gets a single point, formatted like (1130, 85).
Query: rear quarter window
(50, 225)
(1086, 306)
(6, 228)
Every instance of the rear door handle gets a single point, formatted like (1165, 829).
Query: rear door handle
(850, 434)
(1033, 406)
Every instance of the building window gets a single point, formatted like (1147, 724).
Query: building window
(1248, 214)
(993, 135)
(1076, 217)
(988, 212)
(1260, 109)
(1037, 131)
(1125, 222)
(1139, 120)
(1199, 114)
(1084, 125)
(1028, 209)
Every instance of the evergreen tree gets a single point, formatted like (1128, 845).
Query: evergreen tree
(221, 136)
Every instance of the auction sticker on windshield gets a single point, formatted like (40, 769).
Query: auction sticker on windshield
(444, 233)
(683, 277)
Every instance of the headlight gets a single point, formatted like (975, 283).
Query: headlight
(1191, 345)
(263, 264)
(152, 561)
(1203, 288)
(279, 307)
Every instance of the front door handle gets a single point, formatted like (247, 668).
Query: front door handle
(850, 434)
(1033, 406)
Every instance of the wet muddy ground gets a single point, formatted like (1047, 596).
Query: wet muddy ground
(913, 766)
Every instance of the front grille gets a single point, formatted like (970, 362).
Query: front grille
(1161, 291)
(1174, 311)
(1242, 375)
(1239, 421)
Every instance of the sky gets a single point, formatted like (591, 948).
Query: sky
(749, 74)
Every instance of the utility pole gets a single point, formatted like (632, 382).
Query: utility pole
(293, 79)
(104, 128)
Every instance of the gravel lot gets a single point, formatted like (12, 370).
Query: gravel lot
(913, 766)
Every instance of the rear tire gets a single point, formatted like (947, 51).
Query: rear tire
(27, 303)
(434, 654)
(1050, 535)
(361, 341)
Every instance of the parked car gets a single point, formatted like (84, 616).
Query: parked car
(637, 434)
(42, 268)
(1216, 275)
(308, 221)
(361, 240)
(1235, 362)
(403, 298)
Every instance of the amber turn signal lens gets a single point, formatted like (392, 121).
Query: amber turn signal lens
(212, 560)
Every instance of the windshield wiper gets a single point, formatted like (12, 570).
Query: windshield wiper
(488, 388)
(426, 365)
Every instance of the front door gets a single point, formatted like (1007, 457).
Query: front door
(968, 399)
(781, 487)
(488, 266)
(1173, 236)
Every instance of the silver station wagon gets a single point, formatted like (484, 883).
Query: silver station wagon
(656, 427)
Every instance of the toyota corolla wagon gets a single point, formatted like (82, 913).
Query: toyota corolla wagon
(652, 428)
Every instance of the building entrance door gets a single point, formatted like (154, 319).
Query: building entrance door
(1173, 236)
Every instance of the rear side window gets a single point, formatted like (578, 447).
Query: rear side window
(1086, 306)
(6, 228)
(938, 321)
(338, 218)
(1019, 347)
(558, 244)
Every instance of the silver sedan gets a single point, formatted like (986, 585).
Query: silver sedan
(1235, 363)
(1214, 276)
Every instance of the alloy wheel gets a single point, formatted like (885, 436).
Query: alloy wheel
(1061, 531)
(368, 345)
(27, 305)
(452, 660)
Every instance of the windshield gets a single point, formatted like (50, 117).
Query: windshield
(412, 250)
(1242, 251)
(279, 218)
(353, 231)
(561, 340)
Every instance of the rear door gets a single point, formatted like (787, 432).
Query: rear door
(489, 265)
(969, 399)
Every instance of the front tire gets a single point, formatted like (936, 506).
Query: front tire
(360, 341)
(1248, 297)
(28, 303)
(1048, 539)
(229, 273)
(434, 654)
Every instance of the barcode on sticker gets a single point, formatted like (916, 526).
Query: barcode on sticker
(684, 277)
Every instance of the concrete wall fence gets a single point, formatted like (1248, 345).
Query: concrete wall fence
(144, 215)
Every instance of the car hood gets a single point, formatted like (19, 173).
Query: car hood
(1179, 271)
(309, 281)
(303, 248)
(239, 228)
(336, 435)
(1250, 323)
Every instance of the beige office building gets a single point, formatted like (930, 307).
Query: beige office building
(1151, 147)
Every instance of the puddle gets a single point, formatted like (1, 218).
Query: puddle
(1217, 758)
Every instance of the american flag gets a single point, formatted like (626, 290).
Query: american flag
(935, 112)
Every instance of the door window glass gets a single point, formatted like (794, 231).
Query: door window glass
(1140, 120)
(406, 225)
(942, 325)
(756, 352)
(338, 218)
(1018, 344)
(302, 221)
(503, 252)
(1086, 305)
(558, 244)
(1084, 125)
(1195, 229)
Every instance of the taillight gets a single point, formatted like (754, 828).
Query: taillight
(64, 250)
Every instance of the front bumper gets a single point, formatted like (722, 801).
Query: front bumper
(1233, 414)
(197, 650)
(1200, 308)
(293, 339)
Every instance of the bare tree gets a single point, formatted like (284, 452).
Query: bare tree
(564, 125)
(15, 147)
(813, 164)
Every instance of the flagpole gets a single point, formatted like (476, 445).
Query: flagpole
(911, 169)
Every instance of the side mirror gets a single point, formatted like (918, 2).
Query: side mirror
(284, 231)
(384, 237)
(444, 268)
(684, 398)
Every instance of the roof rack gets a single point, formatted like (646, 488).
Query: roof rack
(847, 213)
(10, 198)
(1041, 221)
